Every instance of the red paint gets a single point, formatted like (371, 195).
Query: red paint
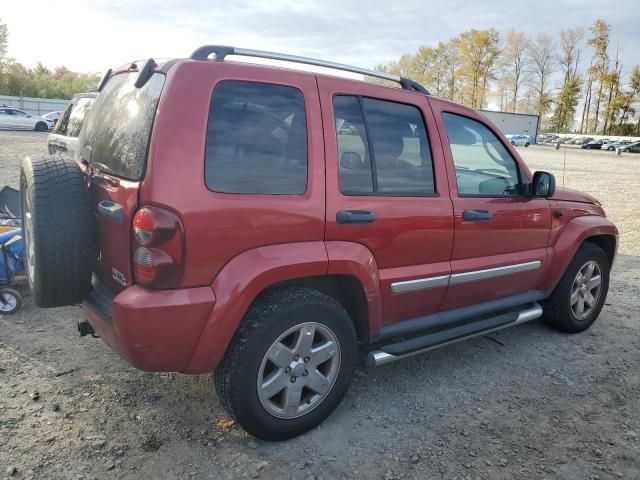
(236, 246)
(155, 330)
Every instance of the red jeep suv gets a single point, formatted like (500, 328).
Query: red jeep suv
(269, 225)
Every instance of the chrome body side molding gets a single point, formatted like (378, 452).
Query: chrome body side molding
(464, 277)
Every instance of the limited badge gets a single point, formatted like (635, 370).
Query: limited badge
(118, 277)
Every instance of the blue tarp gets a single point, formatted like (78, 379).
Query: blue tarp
(13, 243)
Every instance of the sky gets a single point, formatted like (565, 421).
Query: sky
(93, 35)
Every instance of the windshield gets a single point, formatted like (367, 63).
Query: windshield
(118, 126)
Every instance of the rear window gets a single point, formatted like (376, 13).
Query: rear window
(256, 139)
(118, 126)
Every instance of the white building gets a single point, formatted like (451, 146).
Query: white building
(515, 123)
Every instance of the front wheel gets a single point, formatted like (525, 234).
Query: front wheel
(289, 364)
(41, 127)
(579, 297)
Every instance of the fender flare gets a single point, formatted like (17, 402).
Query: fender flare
(243, 278)
(573, 235)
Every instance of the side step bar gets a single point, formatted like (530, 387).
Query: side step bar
(396, 351)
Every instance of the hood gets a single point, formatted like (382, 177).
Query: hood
(570, 195)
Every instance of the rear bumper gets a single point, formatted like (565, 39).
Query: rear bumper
(154, 330)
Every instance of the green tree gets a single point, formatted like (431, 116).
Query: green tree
(566, 103)
(479, 52)
(599, 41)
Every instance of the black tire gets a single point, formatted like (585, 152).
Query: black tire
(10, 301)
(41, 127)
(558, 313)
(273, 314)
(526, 144)
(60, 231)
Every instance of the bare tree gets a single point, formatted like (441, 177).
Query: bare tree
(515, 62)
(570, 51)
(542, 51)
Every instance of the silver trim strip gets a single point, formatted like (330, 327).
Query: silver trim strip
(464, 277)
(378, 357)
(472, 276)
(420, 284)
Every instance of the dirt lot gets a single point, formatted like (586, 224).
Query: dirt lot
(531, 404)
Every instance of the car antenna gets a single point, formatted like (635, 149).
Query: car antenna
(564, 156)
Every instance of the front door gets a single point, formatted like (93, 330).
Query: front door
(387, 190)
(501, 234)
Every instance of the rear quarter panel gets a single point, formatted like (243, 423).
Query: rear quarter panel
(219, 227)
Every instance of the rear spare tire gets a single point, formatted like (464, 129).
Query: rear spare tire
(58, 230)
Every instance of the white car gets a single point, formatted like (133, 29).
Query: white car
(52, 116)
(519, 140)
(14, 119)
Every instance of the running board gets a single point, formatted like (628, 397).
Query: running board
(396, 351)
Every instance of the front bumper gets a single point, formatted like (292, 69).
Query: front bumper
(154, 330)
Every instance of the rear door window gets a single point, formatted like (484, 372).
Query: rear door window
(256, 139)
(118, 127)
(382, 148)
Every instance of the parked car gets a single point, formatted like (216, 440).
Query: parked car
(14, 119)
(611, 146)
(52, 117)
(631, 147)
(63, 140)
(582, 140)
(240, 231)
(519, 140)
(593, 145)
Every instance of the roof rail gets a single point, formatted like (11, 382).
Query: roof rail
(221, 51)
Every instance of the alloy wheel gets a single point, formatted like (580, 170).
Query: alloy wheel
(586, 289)
(298, 370)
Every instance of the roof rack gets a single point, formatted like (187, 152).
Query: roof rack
(221, 51)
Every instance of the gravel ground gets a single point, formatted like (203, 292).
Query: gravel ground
(526, 403)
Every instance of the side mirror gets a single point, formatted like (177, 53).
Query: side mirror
(28, 116)
(350, 161)
(543, 185)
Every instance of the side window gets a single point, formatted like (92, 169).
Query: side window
(256, 139)
(76, 117)
(382, 148)
(63, 121)
(483, 165)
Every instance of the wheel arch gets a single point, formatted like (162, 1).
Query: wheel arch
(346, 273)
(589, 228)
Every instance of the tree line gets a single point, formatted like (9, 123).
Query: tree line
(18, 80)
(539, 75)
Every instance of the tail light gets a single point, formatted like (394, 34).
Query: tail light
(158, 248)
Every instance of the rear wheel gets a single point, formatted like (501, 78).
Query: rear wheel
(58, 231)
(579, 297)
(289, 365)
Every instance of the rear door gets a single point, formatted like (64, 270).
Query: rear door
(114, 146)
(387, 190)
(501, 234)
